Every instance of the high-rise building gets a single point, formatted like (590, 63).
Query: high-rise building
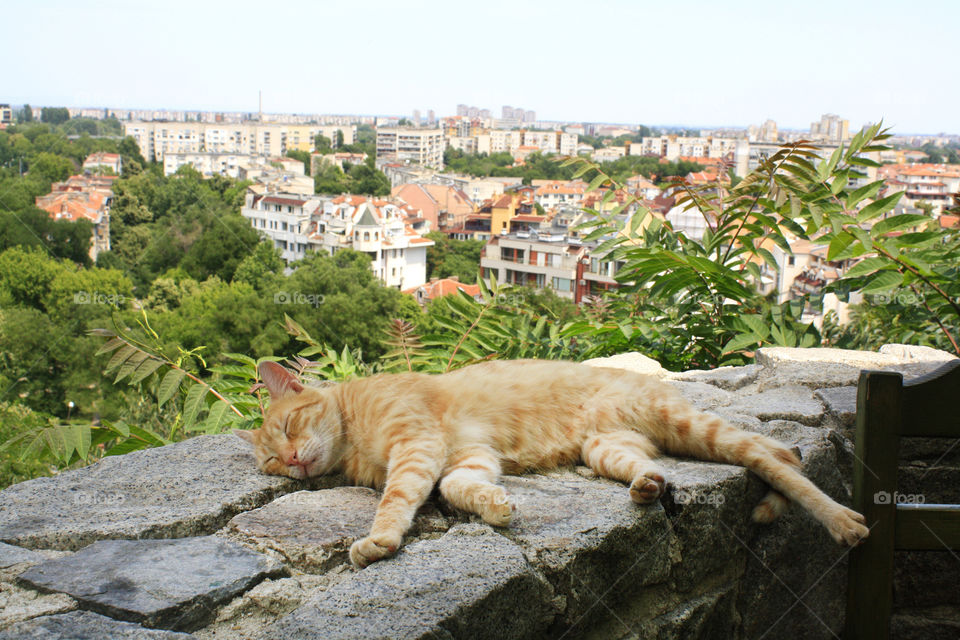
(831, 128)
(416, 118)
(410, 146)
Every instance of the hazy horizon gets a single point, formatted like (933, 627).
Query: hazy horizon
(614, 62)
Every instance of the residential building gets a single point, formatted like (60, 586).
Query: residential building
(381, 229)
(933, 184)
(440, 205)
(831, 128)
(210, 163)
(319, 160)
(156, 139)
(83, 198)
(405, 145)
(438, 288)
(551, 194)
(111, 162)
(6, 115)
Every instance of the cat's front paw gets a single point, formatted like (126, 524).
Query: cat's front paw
(366, 551)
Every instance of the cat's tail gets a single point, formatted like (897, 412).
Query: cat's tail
(688, 432)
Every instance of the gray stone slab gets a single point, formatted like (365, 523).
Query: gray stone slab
(583, 534)
(18, 604)
(84, 625)
(815, 375)
(703, 396)
(785, 403)
(470, 583)
(728, 378)
(841, 405)
(11, 555)
(188, 488)
(313, 530)
(171, 584)
(632, 361)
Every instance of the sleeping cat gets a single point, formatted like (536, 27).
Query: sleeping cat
(405, 432)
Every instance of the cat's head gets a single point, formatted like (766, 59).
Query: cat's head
(301, 434)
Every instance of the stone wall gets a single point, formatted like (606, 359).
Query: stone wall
(189, 540)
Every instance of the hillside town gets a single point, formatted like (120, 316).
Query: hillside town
(530, 229)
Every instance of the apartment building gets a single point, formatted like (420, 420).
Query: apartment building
(551, 194)
(83, 198)
(381, 229)
(831, 128)
(509, 141)
(111, 162)
(440, 205)
(404, 145)
(933, 184)
(156, 139)
(548, 259)
(6, 116)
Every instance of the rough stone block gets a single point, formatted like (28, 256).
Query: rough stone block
(18, 604)
(11, 555)
(727, 378)
(313, 530)
(841, 405)
(636, 362)
(786, 403)
(171, 584)
(84, 625)
(188, 488)
(703, 396)
(470, 583)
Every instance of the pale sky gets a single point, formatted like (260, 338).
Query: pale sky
(695, 63)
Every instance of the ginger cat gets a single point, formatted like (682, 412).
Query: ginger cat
(405, 432)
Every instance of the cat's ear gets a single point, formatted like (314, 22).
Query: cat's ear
(250, 435)
(279, 381)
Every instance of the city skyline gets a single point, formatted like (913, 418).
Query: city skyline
(653, 67)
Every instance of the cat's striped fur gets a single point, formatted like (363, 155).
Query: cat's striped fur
(404, 433)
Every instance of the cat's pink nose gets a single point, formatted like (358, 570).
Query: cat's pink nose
(294, 459)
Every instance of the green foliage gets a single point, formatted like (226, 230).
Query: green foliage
(699, 303)
(54, 115)
(32, 227)
(449, 257)
(361, 179)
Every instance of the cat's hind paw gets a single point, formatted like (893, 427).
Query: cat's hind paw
(647, 487)
(848, 527)
(366, 551)
(499, 511)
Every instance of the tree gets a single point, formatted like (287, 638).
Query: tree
(302, 156)
(322, 144)
(51, 167)
(32, 227)
(338, 139)
(262, 268)
(54, 115)
(25, 114)
(449, 257)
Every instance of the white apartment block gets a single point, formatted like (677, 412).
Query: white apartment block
(500, 141)
(156, 139)
(404, 145)
(378, 228)
(209, 163)
(672, 147)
